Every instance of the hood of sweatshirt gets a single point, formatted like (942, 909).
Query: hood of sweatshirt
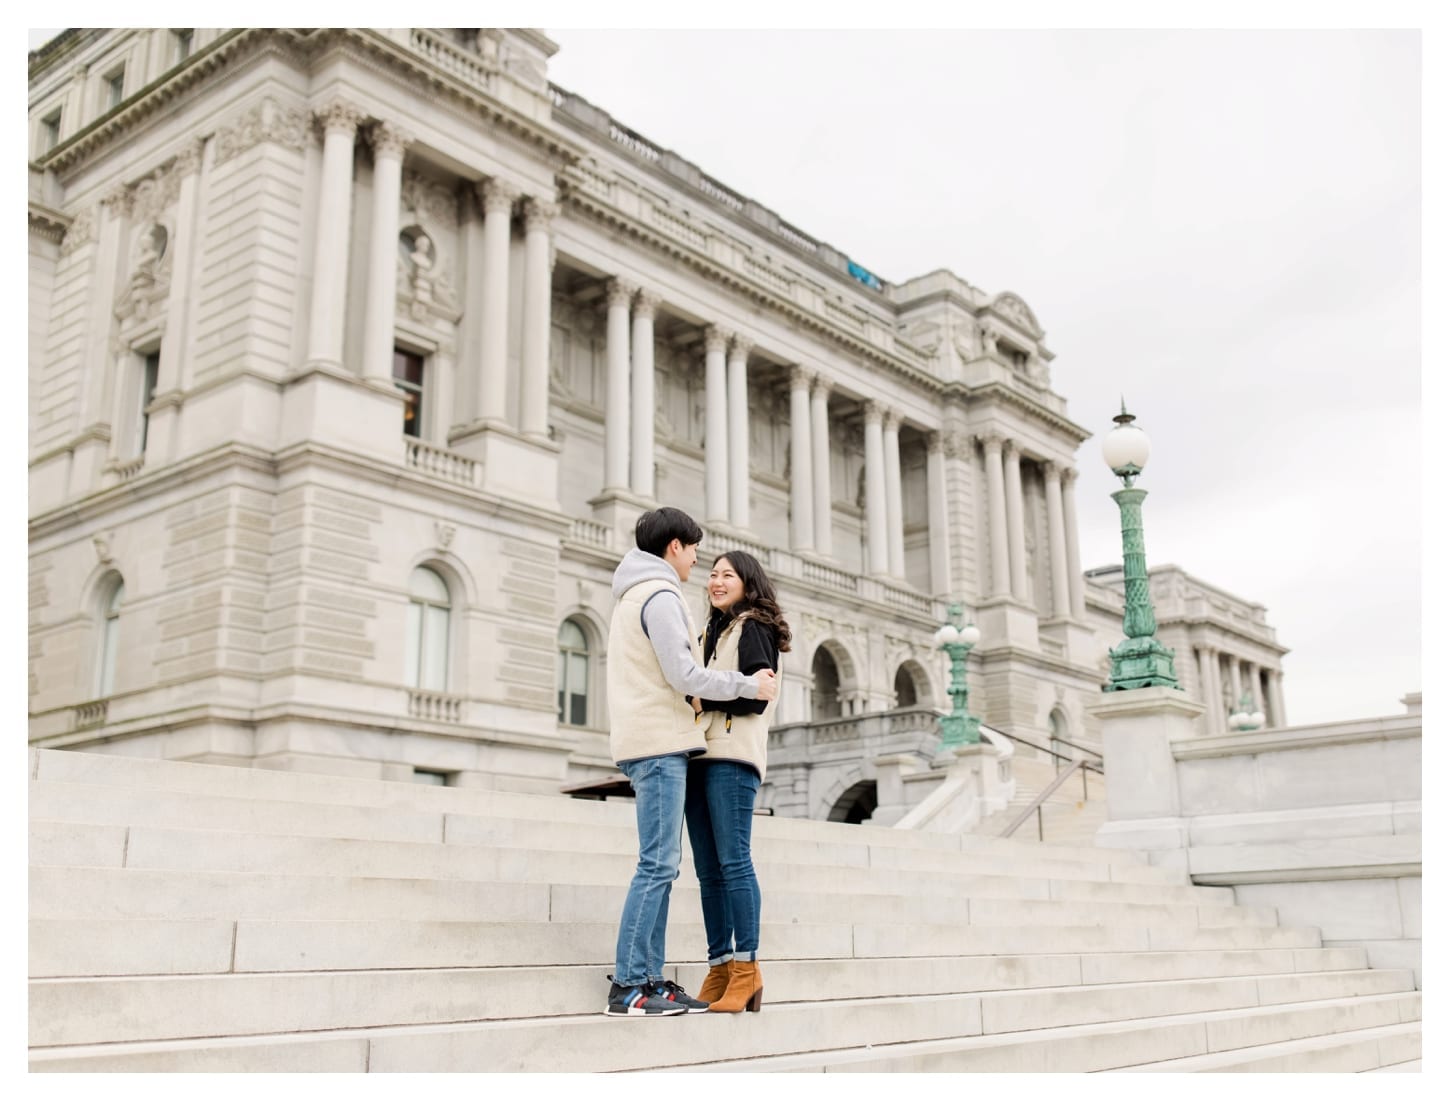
(637, 566)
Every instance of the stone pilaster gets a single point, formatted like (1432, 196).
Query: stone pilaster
(339, 121)
(878, 555)
(389, 143)
(802, 518)
(895, 532)
(538, 294)
(642, 394)
(717, 428)
(821, 463)
(739, 417)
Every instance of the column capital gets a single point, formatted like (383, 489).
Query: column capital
(801, 377)
(539, 214)
(821, 388)
(716, 338)
(619, 293)
(1011, 448)
(389, 139)
(188, 158)
(117, 202)
(339, 116)
(1069, 476)
(892, 420)
(1052, 470)
(497, 195)
(646, 303)
(740, 346)
(992, 442)
(875, 411)
(936, 443)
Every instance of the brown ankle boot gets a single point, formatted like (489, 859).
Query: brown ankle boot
(745, 990)
(715, 983)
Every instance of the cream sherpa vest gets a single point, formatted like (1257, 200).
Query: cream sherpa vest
(736, 737)
(647, 718)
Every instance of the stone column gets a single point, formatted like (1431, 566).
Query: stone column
(642, 392)
(717, 428)
(382, 293)
(1207, 689)
(498, 199)
(1074, 559)
(1016, 531)
(1256, 689)
(821, 464)
(616, 391)
(538, 296)
(997, 516)
(1057, 541)
(877, 552)
(1276, 699)
(182, 247)
(1235, 681)
(739, 417)
(327, 318)
(802, 519)
(938, 522)
(1216, 711)
(895, 533)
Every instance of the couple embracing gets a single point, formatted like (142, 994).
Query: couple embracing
(688, 715)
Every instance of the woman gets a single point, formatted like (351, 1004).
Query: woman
(745, 632)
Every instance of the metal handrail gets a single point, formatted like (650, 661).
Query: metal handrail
(1079, 763)
(1095, 763)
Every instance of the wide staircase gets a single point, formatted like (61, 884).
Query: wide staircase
(191, 917)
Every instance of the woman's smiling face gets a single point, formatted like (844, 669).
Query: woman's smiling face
(725, 587)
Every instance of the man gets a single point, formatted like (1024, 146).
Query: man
(654, 664)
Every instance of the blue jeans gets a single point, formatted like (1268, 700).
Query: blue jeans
(719, 811)
(659, 807)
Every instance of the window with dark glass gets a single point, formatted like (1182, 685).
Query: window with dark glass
(148, 391)
(115, 87)
(183, 44)
(50, 131)
(408, 377)
(110, 639)
(573, 675)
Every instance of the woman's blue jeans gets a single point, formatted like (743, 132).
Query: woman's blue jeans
(719, 811)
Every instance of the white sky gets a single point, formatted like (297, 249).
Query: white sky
(1223, 226)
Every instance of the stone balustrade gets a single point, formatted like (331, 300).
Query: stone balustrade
(437, 462)
(435, 706)
(90, 714)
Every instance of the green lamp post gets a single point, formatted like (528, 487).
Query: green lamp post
(957, 638)
(1140, 660)
(1246, 718)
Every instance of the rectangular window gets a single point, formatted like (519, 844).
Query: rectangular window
(148, 392)
(115, 90)
(182, 40)
(428, 776)
(50, 131)
(408, 377)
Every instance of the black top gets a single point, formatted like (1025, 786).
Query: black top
(757, 651)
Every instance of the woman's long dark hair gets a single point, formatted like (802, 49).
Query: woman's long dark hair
(759, 599)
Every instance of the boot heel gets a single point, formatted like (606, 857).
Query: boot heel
(753, 1006)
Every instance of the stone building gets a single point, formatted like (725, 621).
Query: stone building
(354, 354)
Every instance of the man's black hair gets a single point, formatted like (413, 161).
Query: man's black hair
(655, 530)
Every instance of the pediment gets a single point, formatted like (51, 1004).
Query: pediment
(1012, 309)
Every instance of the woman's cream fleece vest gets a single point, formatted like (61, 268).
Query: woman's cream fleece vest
(647, 718)
(736, 737)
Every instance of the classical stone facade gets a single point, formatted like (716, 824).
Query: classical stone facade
(355, 354)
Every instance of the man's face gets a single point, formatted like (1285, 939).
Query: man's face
(682, 557)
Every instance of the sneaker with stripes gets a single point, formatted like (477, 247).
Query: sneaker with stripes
(674, 992)
(639, 1001)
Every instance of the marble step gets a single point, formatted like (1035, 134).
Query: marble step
(107, 805)
(1389, 1048)
(66, 766)
(69, 1012)
(91, 845)
(919, 1033)
(1115, 1045)
(62, 947)
(76, 892)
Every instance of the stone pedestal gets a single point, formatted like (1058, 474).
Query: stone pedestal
(620, 510)
(332, 408)
(1004, 620)
(524, 468)
(1139, 771)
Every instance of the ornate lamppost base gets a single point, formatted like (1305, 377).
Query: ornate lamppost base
(959, 730)
(1141, 663)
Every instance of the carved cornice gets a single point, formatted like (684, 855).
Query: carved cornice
(1007, 395)
(49, 224)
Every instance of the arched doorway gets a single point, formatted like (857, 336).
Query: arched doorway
(905, 688)
(856, 804)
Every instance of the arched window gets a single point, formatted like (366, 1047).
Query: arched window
(1057, 732)
(428, 610)
(826, 686)
(110, 640)
(905, 688)
(573, 675)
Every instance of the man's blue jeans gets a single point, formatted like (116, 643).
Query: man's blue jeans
(719, 811)
(659, 809)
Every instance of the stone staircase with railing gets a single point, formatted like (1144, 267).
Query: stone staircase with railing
(1070, 816)
(192, 917)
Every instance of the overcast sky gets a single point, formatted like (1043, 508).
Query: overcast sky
(1222, 226)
